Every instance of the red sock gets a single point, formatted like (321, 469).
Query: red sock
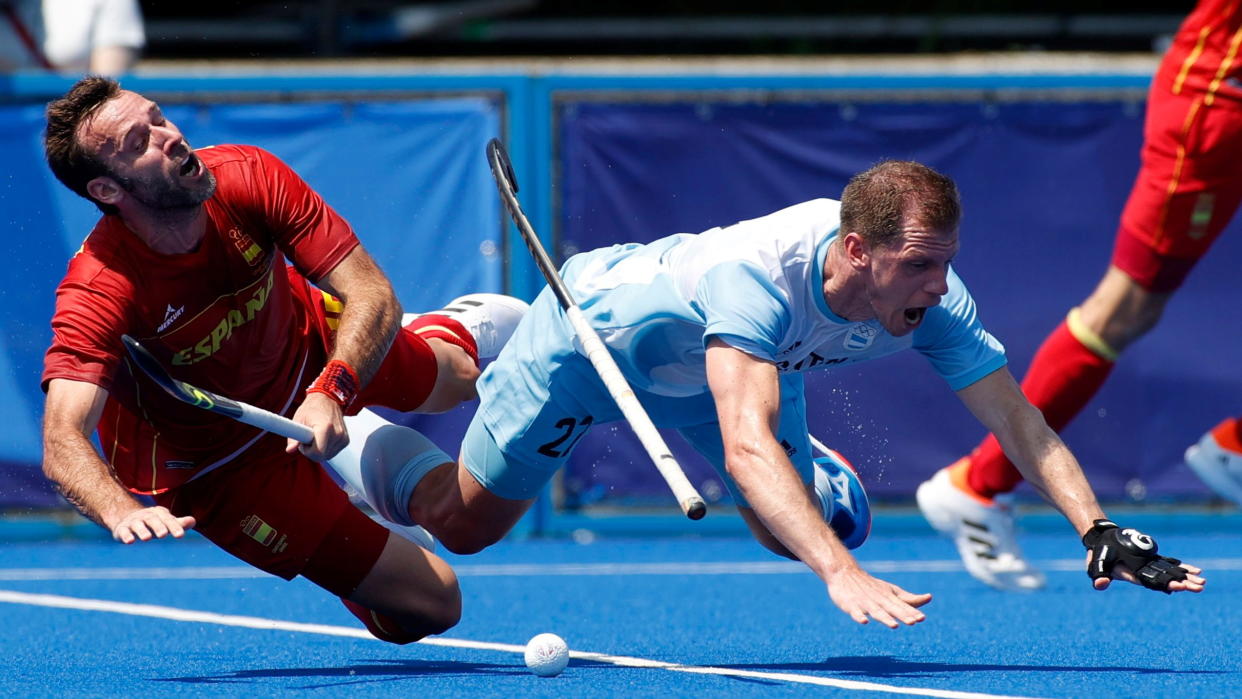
(430, 325)
(1228, 434)
(1063, 378)
(382, 627)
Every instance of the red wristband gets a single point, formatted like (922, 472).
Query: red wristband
(337, 381)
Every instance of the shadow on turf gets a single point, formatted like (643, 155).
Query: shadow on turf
(886, 666)
(380, 671)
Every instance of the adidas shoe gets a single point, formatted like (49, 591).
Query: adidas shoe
(1217, 460)
(490, 319)
(982, 529)
(842, 499)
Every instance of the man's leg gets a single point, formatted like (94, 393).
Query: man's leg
(831, 480)
(1071, 367)
(432, 366)
(1186, 191)
(411, 483)
(404, 594)
(841, 498)
(537, 395)
(433, 363)
(282, 514)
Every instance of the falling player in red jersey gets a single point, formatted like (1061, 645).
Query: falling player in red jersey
(190, 258)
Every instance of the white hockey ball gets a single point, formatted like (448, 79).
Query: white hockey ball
(547, 654)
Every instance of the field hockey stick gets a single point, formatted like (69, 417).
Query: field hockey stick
(689, 499)
(211, 402)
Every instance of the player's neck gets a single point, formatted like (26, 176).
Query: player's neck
(844, 290)
(169, 231)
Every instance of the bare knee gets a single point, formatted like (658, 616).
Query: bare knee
(1120, 311)
(440, 613)
(462, 534)
(463, 515)
(412, 588)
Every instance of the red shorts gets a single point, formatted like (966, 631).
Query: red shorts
(281, 512)
(1187, 190)
(408, 372)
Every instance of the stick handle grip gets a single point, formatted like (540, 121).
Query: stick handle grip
(276, 424)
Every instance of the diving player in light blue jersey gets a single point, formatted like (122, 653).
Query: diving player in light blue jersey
(757, 286)
(713, 331)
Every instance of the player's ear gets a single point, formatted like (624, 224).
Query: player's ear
(104, 190)
(857, 250)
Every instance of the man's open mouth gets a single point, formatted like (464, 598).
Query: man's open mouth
(190, 166)
(914, 316)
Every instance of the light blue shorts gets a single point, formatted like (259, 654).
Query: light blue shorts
(540, 396)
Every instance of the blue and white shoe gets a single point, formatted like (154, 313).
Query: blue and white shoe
(842, 499)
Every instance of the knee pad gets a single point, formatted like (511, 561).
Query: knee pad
(384, 462)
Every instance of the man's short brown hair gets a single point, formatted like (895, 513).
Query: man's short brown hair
(875, 201)
(72, 164)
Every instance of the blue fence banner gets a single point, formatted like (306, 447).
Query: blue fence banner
(1044, 163)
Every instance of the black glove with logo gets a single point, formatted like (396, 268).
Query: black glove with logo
(1110, 545)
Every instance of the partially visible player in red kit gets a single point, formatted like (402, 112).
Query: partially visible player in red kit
(189, 258)
(1187, 190)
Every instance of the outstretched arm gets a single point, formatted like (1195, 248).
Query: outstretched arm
(1044, 460)
(69, 460)
(369, 321)
(747, 395)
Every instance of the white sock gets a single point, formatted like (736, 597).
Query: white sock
(384, 462)
(489, 318)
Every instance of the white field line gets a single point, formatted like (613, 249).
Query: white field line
(557, 569)
(250, 622)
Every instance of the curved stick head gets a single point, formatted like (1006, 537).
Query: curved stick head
(498, 158)
(149, 364)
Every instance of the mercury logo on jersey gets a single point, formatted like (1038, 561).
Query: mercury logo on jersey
(232, 319)
(170, 315)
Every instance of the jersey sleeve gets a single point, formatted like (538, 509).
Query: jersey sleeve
(744, 308)
(955, 341)
(86, 330)
(310, 233)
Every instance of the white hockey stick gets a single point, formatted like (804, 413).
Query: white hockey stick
(689, 499)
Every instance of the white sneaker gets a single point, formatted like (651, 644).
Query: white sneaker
(984, 534)
(490, 318)
(1217, 460)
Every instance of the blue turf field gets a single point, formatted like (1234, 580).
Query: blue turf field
(764, 625)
